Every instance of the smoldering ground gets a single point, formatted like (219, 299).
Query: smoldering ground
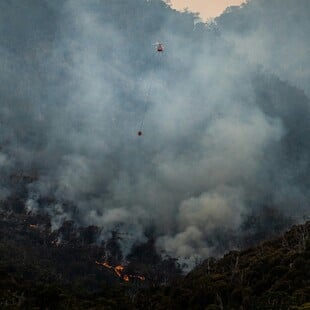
(222, 138)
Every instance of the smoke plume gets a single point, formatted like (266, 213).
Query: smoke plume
(225, 117)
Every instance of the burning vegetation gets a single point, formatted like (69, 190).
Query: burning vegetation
(120, 272)
(38, 264)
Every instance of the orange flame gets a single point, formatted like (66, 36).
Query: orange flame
(119, 271)
(126, 278)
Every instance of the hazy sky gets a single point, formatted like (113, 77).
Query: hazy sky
(206, 8)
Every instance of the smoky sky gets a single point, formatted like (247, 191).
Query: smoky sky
(274, 34)
(225, 131)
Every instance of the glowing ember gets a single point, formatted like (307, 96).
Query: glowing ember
(105, 264)
(119, 271)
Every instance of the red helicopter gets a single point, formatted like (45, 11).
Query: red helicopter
(159, 47)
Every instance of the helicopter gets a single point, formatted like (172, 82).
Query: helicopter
(159, 47)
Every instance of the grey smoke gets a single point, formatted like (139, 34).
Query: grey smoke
(222, 137)
(274, 34)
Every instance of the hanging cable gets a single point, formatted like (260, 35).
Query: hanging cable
(159, 51)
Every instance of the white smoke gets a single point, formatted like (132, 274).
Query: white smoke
(214, 148)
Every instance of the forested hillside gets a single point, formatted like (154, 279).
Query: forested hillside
(66, 269)
(272, 275)
(124, 170)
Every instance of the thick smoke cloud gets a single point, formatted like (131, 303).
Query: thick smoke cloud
(273, 33)
(222, 138)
